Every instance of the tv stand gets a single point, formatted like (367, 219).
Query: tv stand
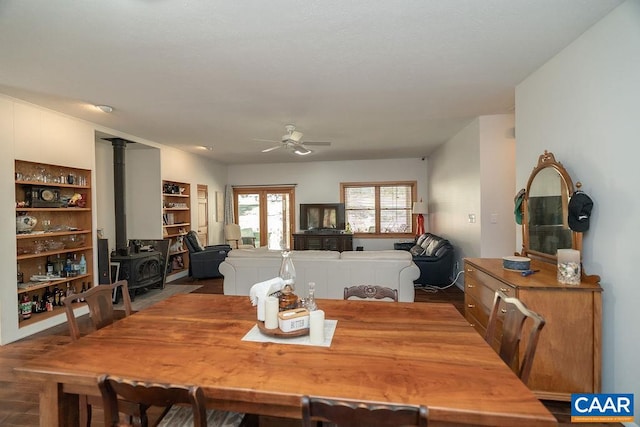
(323, 240)
(324, 231)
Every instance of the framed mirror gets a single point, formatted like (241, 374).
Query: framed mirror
(545, 225)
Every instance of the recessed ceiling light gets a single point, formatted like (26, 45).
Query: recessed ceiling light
(105, 108)
(208, 147)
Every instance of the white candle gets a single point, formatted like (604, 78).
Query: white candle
(316, 327)
(271, 313)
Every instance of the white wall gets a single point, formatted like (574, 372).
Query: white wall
(147, 164)
(473, 175)
(583, 106)
(34, 134)
(319, 182)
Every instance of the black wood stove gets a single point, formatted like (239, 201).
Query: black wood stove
(140, 269)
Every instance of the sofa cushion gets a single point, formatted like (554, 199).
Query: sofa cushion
(417, 250)
(376, 255)
(421, 239)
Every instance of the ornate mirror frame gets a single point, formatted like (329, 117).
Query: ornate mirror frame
(539, 238)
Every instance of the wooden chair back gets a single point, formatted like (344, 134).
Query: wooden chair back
(514, 314)
(355, 414)
(148, 395)
(100, 301)
(370, 292)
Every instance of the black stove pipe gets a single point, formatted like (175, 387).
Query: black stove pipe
(119, 150)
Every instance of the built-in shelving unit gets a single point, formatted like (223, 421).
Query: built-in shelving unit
(53, 223)
(176, 217)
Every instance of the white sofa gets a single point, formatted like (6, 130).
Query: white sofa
(330, 270)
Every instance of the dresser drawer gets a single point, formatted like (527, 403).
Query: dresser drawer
(483, 287)
(479, 311)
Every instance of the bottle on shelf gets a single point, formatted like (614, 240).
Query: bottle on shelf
(20, 275)
(82, 269)
(56, 296)
(35, 304)
(48, 298)
(68, 266)
(59, 266)
(25, 306)
(75, 265)
(84, 289)
(49, 267)
(43, 305)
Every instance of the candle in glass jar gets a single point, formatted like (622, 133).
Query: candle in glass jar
(569, 266)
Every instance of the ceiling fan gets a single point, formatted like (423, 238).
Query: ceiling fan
(292, 140)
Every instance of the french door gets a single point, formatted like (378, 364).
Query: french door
(266, 214)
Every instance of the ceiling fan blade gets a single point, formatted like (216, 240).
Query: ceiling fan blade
(266, 150)
(317, 143)
(266, 140)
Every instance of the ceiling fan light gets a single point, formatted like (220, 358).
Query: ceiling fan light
(302, 151)
(105, 108)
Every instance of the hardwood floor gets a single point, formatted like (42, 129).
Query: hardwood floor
(19, 400)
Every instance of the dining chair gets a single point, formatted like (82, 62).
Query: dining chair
(370, 292)
(354, 414)
(182, 405)
(99, 299)
(514, 314)
(233, 237)
(146, 395)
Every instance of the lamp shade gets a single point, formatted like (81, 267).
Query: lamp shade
(420, 207)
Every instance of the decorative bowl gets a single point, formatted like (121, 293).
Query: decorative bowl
(517, 263)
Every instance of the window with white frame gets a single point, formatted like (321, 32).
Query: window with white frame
(379, 208)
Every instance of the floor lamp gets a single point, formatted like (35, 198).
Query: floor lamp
(420, 208)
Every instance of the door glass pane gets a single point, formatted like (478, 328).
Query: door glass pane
(278, 221)
(249, 218)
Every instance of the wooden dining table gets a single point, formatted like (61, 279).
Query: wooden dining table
(392, 353)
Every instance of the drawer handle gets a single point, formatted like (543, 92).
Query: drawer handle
(470, 285)
(503, 311)
(473, 325)
(471, 306)
(469, 270)
(505, 290)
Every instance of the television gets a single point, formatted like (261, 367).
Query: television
(322, 216)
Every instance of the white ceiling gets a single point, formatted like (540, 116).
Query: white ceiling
(379, 79)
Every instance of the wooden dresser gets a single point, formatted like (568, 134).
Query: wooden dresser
(568, 357)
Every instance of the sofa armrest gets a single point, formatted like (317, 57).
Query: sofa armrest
(403, 246)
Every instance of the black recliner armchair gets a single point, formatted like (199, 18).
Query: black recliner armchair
(204, 261)
(434, 257)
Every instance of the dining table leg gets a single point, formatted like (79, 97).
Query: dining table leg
(58, 409)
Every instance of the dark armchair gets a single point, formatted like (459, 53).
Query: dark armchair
(434, 257)
(204, 261)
